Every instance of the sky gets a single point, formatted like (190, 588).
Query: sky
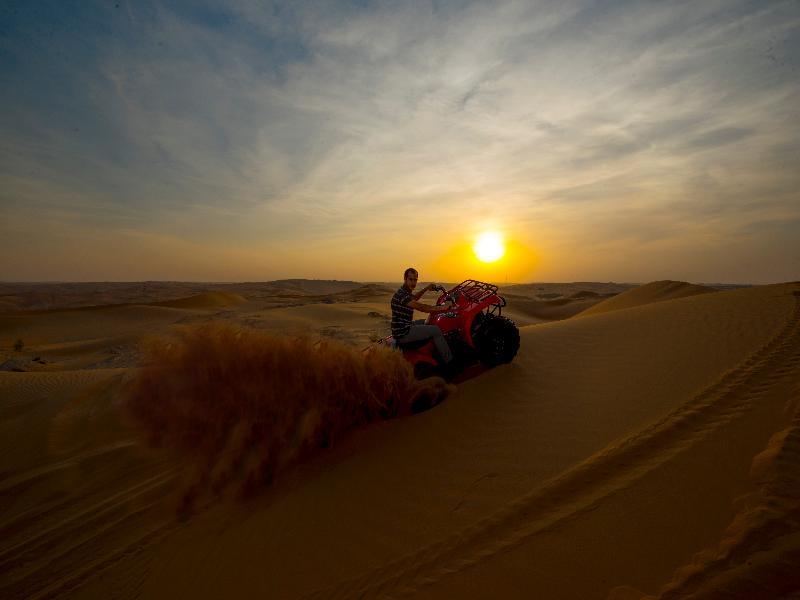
(624, 141)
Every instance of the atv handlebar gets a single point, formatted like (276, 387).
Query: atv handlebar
(449, 297)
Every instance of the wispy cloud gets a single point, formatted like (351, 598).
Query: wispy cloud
(292, 128)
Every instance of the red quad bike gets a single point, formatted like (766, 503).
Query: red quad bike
(475, 330)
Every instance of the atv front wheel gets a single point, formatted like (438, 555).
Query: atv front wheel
(498, 341)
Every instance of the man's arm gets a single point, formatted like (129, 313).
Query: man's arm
(419, 294)
(422, 307)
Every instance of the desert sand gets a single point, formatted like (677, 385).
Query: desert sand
(642, 444)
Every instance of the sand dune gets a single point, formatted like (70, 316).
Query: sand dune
(555, 309)
(87, 323)
(547, 291)
(536, 303)
(760, 549)
(49, 296)
(657, 291)
(205, 300)
(646, 450)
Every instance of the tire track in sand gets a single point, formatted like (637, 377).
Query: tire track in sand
(583, 486)
(8, 484)
(60, 557)
(760, 550)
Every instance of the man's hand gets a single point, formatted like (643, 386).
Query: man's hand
(421, 306)
(448, 307)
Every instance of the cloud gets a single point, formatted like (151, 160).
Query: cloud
(718, 137)
(309, 125)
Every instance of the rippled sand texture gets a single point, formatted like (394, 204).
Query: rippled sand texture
(642, 444)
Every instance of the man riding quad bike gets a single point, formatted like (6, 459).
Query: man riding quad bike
(465, 327)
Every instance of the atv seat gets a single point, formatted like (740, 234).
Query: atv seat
(412, 345)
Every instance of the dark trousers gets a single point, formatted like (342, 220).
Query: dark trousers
(419, 331)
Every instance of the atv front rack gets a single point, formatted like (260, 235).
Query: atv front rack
(476, 291)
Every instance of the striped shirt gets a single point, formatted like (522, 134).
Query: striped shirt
(401, 312)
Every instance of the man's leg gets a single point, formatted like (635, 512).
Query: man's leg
(441, 345)
(423, 332)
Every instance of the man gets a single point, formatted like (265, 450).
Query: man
(404, 302)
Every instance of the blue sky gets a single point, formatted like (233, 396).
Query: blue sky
(626, 141)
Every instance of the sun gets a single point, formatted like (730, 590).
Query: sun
(489, 247)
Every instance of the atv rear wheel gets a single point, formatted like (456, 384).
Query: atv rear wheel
(498, 341)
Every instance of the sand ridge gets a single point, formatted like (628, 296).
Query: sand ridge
(204, 300)
(657, 291)
(78, 489)
(760, 549)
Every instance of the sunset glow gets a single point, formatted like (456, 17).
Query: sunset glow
(625, 141)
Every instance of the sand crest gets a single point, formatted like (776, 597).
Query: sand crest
(206, 300)
(657, 291)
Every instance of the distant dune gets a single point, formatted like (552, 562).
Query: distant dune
(206, 300)
(657, 291)
(369, 291)
(48, 296)
(313, 286)
(551, 309)
(552, 290)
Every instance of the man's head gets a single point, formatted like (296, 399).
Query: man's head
(410, 278)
